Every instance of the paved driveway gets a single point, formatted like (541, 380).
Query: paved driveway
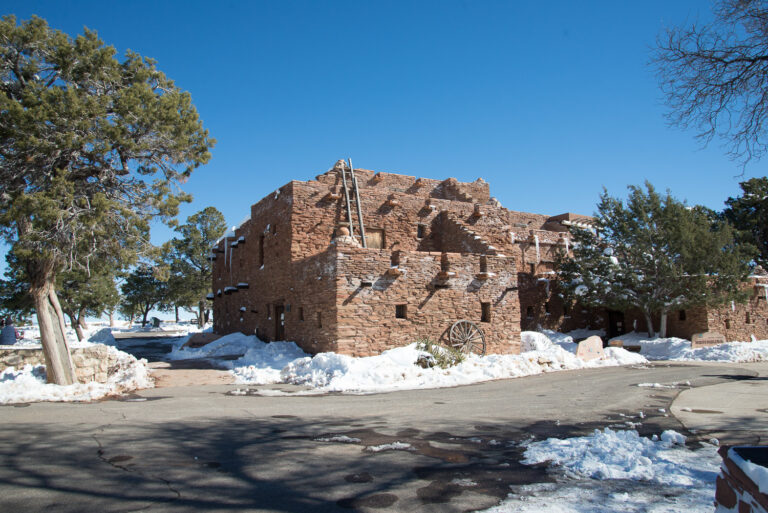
(205, 448)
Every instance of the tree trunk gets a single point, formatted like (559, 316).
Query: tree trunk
(649, 324)
(111, 319)
(75, 324)
(59, 313)
(130, 321)
(176, 309)
(81, 319)
(663, 324)
(58, 362)
(201, 314)
(144, 319)
(207, 316)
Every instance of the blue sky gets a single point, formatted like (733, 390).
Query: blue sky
(547, 101)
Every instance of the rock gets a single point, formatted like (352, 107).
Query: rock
(590, 349)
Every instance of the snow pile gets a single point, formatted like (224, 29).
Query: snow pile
(635, 473)
(27, 384)
(395, 369)
(568, 340)
(757, 473)
(673, 348)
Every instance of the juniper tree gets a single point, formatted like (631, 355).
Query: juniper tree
(91, 147)
(654, 254)
(749, 214)
(86, 294)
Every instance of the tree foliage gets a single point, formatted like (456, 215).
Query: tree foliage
(654, 254)
(91, 148)
(142, 291)
(715, 77)
(748, 213)
(190, 269)
(86, 294)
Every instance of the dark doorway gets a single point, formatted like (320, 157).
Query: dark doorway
(279, 322)
(615, 323)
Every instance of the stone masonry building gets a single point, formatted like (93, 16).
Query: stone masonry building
(437, 252)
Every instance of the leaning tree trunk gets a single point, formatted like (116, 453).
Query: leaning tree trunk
(81, 319)
(111, 319)
(144, 319)
(58, 312)
(663, 324)
(58, 362)
(76, 325)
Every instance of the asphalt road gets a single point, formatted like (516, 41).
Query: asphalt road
(205, 448)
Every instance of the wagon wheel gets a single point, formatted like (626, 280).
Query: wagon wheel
(467, 337)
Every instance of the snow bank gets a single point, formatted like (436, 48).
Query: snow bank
(395, 369)
(679, 349)
(27, 384)
(669, 477)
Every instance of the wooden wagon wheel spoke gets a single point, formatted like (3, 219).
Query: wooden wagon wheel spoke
(467, 337)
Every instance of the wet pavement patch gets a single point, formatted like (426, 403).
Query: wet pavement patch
(363, 477)
(377, 500)
(119, 459)
(438, 492)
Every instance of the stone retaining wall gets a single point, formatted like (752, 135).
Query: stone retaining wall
(92, 363)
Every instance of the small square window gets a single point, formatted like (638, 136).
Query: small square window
(529, 312)
(748, 319)
(681, 315)
(483, 264)
(301, 313)
(547, 308)
(319, 320)
(727, 324)
(420, 231)
(485, 312)
(533, 268)
(401, 311)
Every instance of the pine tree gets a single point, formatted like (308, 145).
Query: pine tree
(142, 291)
(654, 254)
(748, 213)
(82, 294)
(91, 148)
(187, 258)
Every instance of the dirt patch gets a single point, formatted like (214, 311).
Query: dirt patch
(166, 376)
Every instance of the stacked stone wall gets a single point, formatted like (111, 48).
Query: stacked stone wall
(742, 322)
(368, 294)
(92, 363)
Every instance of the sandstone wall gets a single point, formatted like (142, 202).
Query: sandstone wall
(368, 295)
(92, 363)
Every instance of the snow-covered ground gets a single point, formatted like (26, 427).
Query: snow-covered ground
(28, 383)
(618, 471)
(395, 369)
(680, 349)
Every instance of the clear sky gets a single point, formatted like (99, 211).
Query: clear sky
(547, 101)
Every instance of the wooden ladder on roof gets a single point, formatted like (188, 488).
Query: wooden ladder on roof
(352, 183)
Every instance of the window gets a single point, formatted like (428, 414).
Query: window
(319, 320)
(444, 262)
(748, 319)
(301, 313)
(529, 312)
(681, 315)
(374, 238)
(274, 229)
(727, 324)
(533, 268)
(483, 264)
(547, 308)
(420, 231)
(485, 312)
(401, 311)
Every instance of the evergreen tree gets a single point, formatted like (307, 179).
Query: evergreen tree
(91, 148)
(142, 291)
(748, 213)
(187, 258)
(82, 294)
(15, 300)
(654, 254)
